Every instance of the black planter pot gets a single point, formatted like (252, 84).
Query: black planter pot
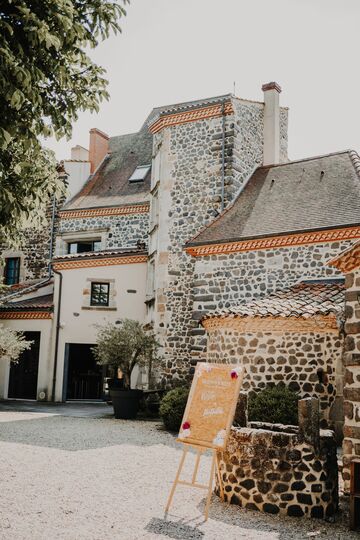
(125, 402)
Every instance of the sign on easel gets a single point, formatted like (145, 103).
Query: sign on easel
(207, 420)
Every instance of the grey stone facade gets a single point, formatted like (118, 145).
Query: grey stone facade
(224, 280)
(195, 173)
(351, 444)
(123, 231)
(309, 363)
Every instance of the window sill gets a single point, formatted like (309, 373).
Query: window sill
(99, 308)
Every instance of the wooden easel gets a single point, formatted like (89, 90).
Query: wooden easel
(214, 466)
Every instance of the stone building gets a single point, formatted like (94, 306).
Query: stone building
(199, 212)
(348, 262)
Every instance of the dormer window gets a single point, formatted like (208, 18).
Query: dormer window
(139, 174)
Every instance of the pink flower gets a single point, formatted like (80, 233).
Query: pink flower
(234, 374)
(186, 425)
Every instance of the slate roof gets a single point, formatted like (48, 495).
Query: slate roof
(24, 287)
(110, 185)
(39, 303)
(303, 300)
(306, 195)
(100, 254)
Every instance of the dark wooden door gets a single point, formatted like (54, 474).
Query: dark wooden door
(24, 374)
(84, 376)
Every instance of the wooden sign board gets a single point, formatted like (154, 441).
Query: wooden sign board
(211, 405)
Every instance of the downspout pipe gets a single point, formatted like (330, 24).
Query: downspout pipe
(51, 247)
(57, 331)
(223, 158)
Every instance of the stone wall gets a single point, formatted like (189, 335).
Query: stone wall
(281, 469)
(192, 153)
(351, 443)
(33, 248)
(308, 363)
(221, 281)
(123, 231)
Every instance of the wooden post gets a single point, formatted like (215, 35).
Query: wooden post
(176, 478)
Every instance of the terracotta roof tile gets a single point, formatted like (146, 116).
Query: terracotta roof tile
(38, 303)
(305, 300)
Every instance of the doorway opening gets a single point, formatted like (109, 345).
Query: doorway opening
(24, 374)
(84, 377)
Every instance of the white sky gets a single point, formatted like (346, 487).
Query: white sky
(179, 50)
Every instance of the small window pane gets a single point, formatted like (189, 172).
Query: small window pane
(84, 247)
(140, 173)
(12, 271)
(99, 294)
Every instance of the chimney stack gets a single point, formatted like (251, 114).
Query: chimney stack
(79, 153)
(98, 148)
(271, 123)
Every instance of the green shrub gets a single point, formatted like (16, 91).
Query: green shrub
(276, 404)
(172, 407)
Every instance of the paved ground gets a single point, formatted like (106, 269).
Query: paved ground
(73, 472)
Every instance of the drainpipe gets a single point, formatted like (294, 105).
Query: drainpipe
(223, 159)
(52, 233)
(56, 334)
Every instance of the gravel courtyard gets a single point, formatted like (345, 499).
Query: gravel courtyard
(73, 472)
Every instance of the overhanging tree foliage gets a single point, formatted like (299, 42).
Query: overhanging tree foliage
(46, 78)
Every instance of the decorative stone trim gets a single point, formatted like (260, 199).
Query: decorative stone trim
(110, 211)
(321, 323)
(271, 242)
(106, 261)
(194, 115)
(349, 260)
(25, 315)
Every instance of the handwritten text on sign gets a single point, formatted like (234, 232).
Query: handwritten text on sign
(211, 405)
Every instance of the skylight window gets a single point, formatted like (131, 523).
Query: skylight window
(140, 173)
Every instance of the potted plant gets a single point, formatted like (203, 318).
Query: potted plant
(122, 347)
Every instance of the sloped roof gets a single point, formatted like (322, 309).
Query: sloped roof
(303, 300)
(348, 260)
(39, 303)
(105, 253)
(311, 194)
(110, 185)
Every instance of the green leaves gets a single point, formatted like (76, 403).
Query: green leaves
(46, 78)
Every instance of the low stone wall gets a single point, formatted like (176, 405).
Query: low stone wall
(309, 363)
(282, 469)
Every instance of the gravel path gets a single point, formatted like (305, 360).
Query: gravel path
(74, 478)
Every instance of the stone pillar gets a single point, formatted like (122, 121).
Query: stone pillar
(309, 421)
(351, 443)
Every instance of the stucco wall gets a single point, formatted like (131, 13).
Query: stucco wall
(78, 321)
(45, 358)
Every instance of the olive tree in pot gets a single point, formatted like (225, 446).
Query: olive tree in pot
(123, 346)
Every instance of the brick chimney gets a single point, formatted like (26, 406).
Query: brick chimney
(271, 123)
(98, 148)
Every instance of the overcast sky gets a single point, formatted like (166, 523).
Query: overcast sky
(179, 50)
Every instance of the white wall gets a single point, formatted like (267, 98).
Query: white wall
(78, 321)
(45, 372)
(78, 172)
